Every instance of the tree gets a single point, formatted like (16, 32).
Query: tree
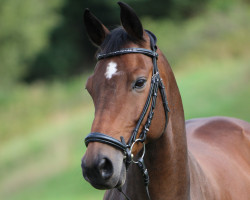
(24, 27)
(70, 51)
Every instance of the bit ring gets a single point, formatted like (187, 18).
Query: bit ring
(144, 150)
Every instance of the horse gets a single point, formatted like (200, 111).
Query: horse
(140, 146)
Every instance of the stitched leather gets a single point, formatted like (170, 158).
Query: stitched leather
(146, 52)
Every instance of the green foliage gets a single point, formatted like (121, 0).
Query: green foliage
(174, 9)
(24, 29)
(46, 39)
(70, 50)
(213, 35)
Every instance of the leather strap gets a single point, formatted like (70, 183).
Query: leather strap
(146, 52)
(100, 137)
(103, 138)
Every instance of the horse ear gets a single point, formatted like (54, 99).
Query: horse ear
(130, 22)
(95, 29)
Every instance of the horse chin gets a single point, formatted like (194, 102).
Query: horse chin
(122, 177)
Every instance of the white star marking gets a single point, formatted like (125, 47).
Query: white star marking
(111, 70)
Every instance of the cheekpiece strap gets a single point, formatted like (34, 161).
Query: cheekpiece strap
(153, 40)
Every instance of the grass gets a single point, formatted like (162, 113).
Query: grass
(219, 89)
(43, 125)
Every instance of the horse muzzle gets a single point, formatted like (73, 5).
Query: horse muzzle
(103, 166)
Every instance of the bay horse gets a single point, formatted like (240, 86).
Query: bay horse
(132, 86)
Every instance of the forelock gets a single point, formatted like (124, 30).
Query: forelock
(116, 40)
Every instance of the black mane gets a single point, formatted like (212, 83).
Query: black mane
(116, 39)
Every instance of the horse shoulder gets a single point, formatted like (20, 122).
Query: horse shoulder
(227, 134)
(220, 147)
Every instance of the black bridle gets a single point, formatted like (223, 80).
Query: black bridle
(156, 83)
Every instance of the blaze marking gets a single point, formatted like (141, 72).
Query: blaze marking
(111, 70)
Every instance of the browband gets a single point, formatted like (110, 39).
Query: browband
(146, 52)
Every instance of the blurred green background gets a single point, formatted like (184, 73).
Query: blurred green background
(45, 59)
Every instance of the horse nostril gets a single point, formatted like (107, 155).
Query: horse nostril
(105, 168)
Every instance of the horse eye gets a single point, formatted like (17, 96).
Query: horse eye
(140, 83)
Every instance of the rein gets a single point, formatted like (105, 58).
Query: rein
(156, 83)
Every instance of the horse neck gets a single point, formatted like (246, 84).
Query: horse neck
(166, 158)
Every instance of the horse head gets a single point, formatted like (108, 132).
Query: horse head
(119, 87)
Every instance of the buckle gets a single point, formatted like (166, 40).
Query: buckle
(155, 54)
